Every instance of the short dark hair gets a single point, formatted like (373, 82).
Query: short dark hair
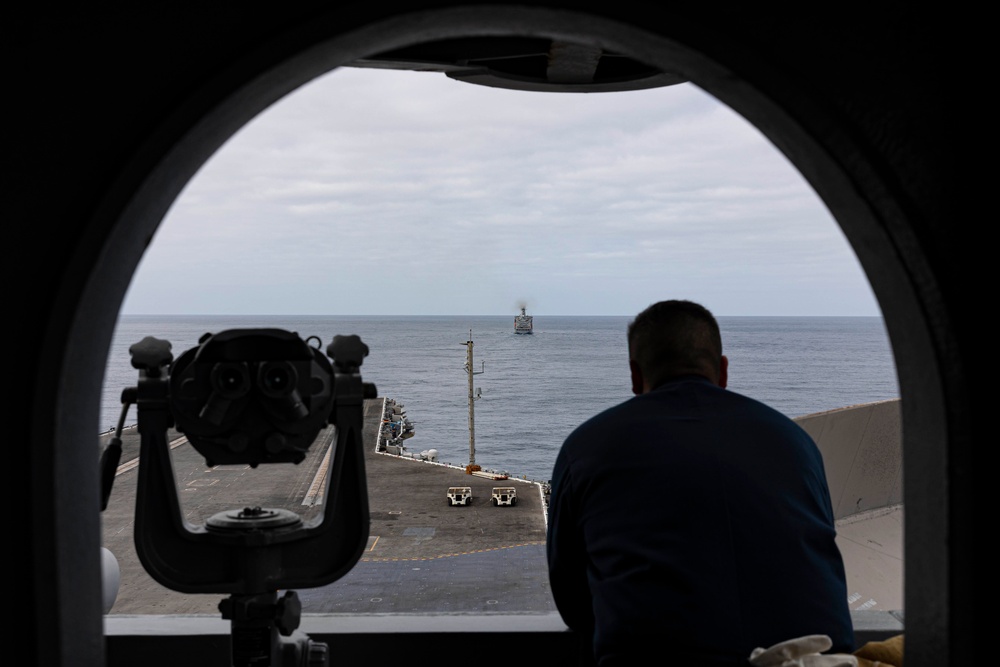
(673, 338)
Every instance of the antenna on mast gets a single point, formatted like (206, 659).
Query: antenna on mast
(473, 396)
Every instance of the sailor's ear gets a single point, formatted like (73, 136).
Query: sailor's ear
(723, 371)
(637, 379)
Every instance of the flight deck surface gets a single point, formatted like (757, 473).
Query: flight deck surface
(423, 556)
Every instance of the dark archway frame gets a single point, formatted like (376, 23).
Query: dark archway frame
(840, 117)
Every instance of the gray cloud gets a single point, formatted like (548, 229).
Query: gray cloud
(367, 180)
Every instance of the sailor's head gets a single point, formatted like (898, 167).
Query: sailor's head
(674, 338)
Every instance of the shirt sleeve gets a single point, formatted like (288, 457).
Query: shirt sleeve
(567, 553)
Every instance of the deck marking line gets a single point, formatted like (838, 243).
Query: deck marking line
(316, 490)
(461, 553)
(134, 463)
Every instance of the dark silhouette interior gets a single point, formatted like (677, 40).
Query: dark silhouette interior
(113, 111)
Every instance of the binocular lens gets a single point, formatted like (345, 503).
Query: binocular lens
(231, 379)
(277, 378)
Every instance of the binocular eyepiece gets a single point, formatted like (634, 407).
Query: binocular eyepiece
(256, 395)
(276, 381)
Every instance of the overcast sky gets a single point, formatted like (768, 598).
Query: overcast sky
(371, 192)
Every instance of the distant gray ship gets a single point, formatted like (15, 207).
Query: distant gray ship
(522, 323)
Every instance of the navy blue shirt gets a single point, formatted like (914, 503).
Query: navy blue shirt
(694, 520)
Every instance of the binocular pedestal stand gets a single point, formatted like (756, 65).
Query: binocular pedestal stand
(254, 552)
(264, 627)
(265, 632)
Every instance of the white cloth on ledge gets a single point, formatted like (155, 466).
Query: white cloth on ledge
(801, 652)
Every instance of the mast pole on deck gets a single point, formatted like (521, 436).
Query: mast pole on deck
(473, 396)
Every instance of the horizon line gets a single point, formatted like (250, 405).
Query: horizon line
(360, 315)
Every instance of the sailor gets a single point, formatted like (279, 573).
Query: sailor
(691, 521)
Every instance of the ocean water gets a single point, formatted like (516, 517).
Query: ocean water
(536, 388)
